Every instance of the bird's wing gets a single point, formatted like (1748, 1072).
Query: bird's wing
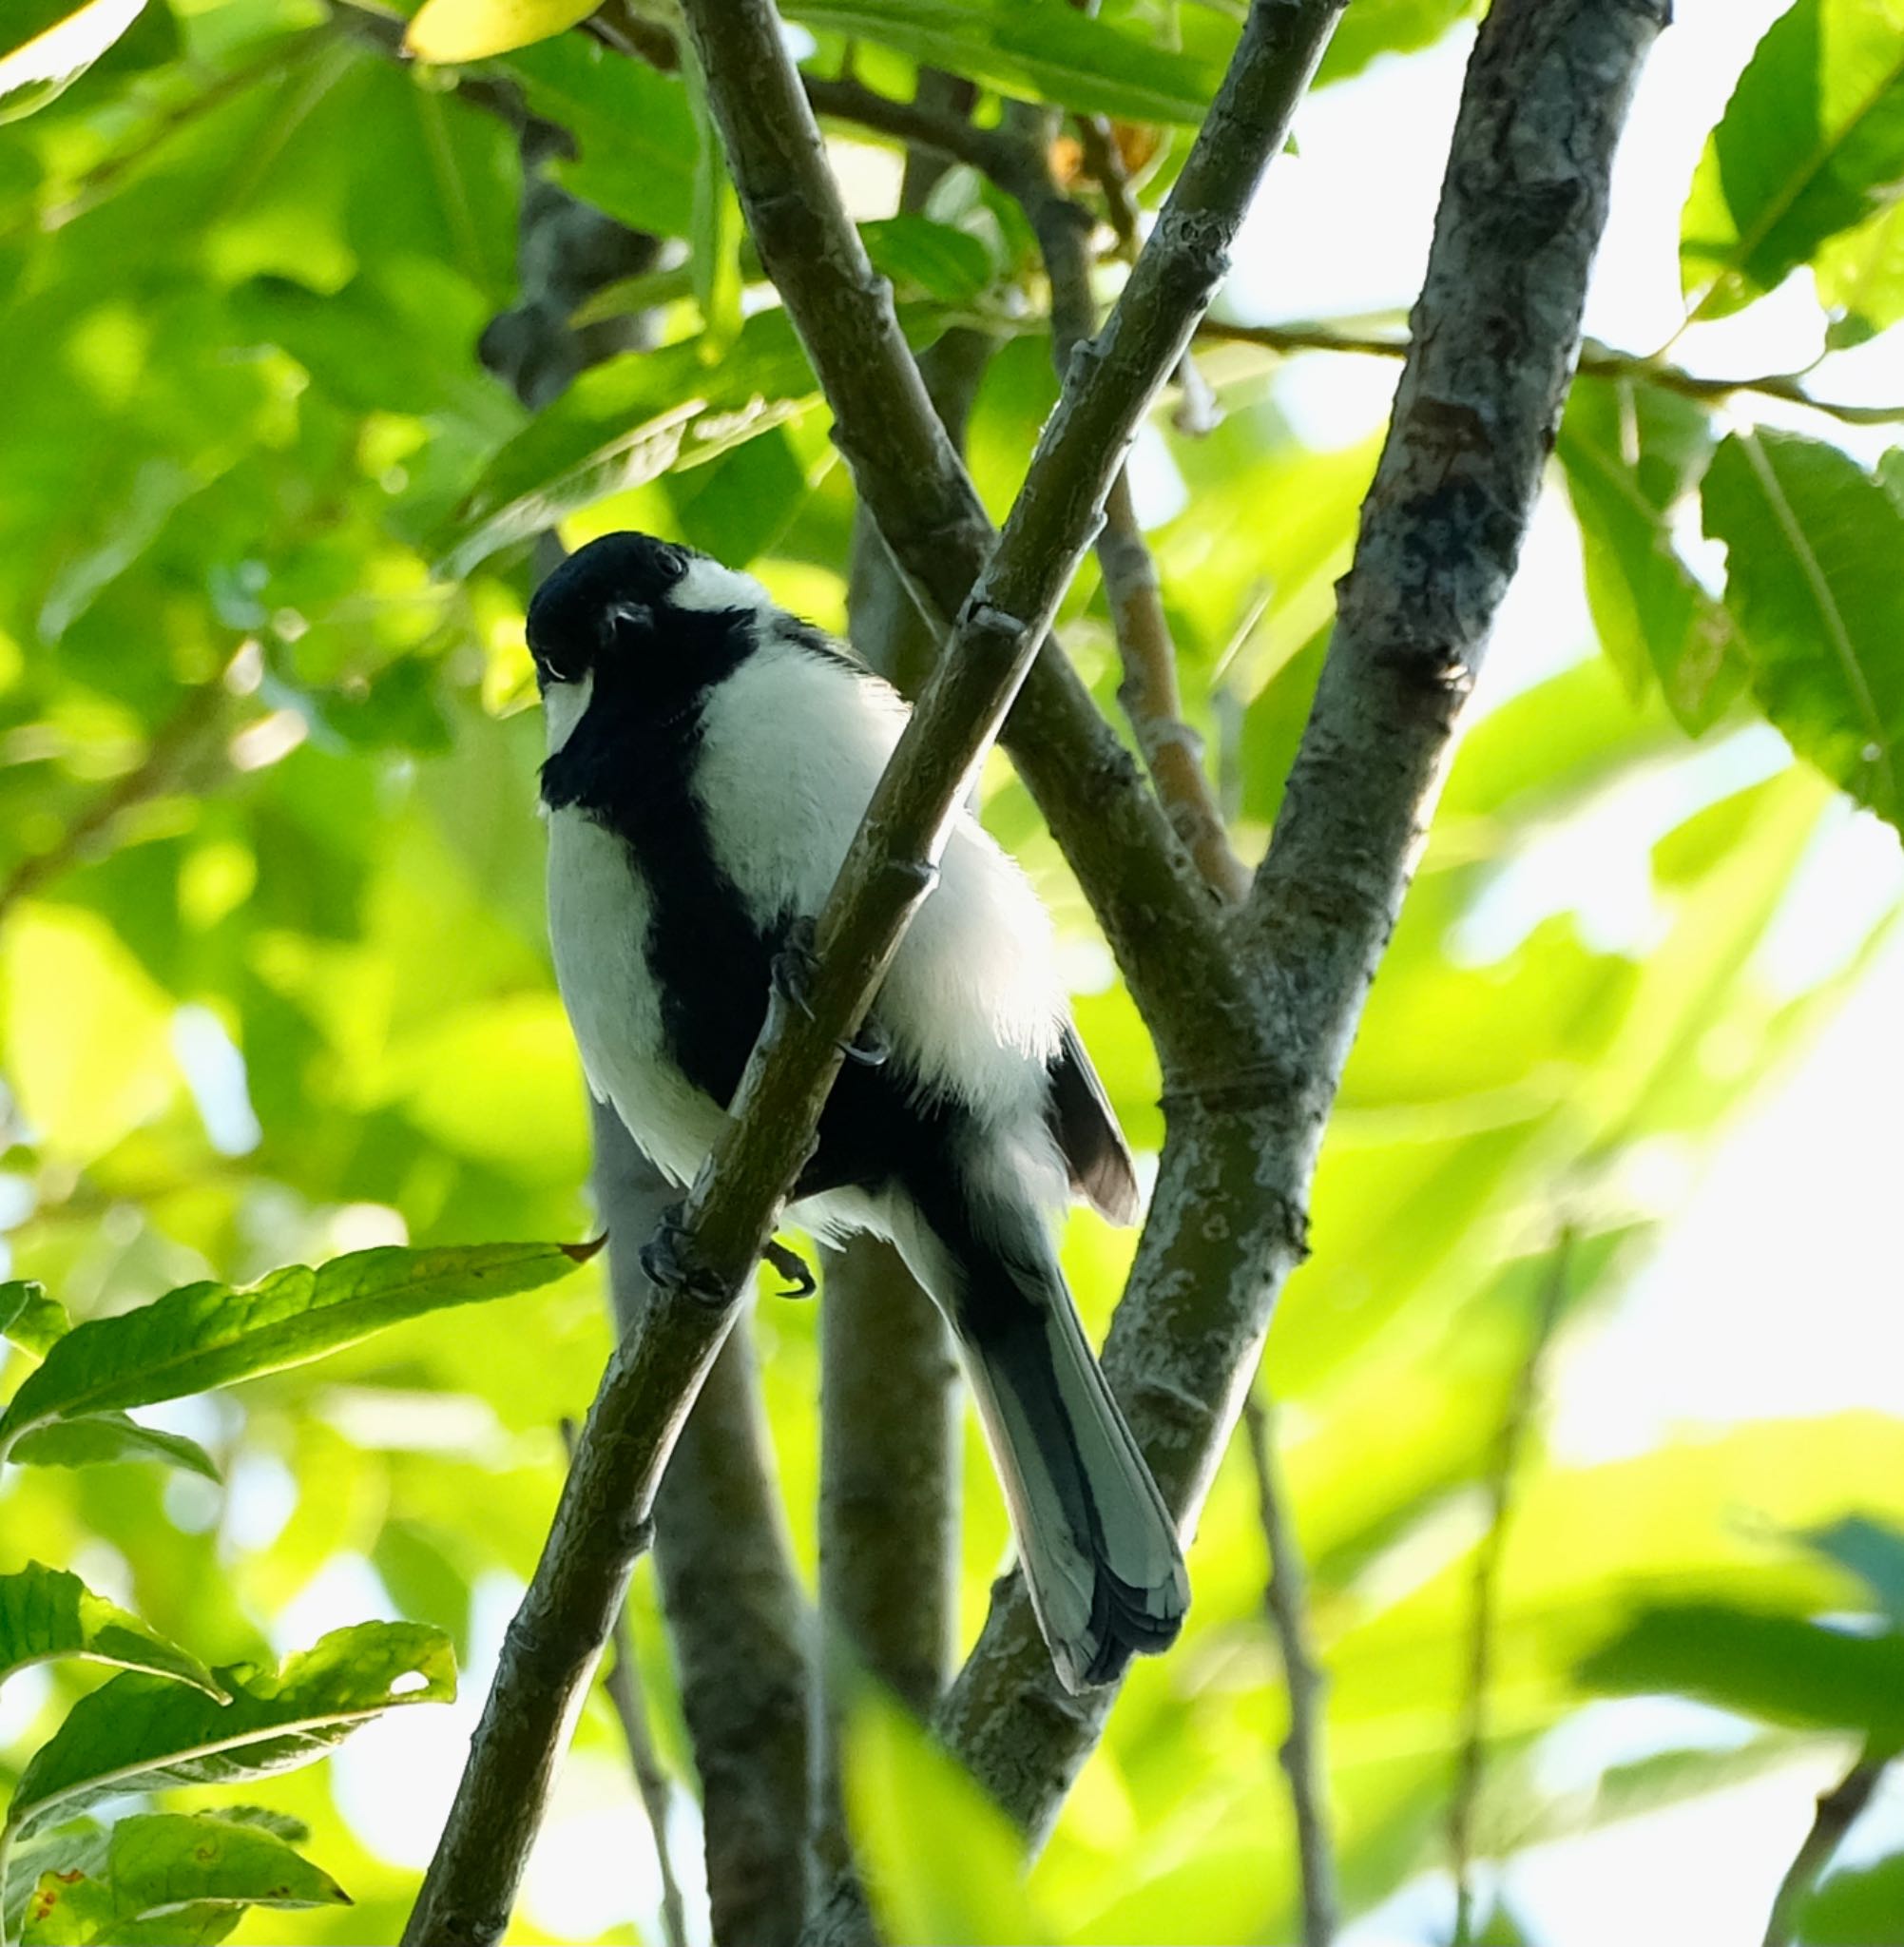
(1082, 1119)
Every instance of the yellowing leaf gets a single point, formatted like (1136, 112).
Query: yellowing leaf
(474, 29)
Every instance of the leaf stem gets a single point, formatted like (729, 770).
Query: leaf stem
(1838, 1811)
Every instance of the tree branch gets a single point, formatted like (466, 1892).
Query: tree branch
(1471, 1763)
(1596, 361)
(1523, 206)
(623, 1687)
(1839, 1810)
(602, 1521)
(1150, 692)
(735, 1615)
(1158, 920)
(1172, 751)
(734, 1608)
(1286, 1603)
(890, 1404)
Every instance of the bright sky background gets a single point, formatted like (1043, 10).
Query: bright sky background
(1799, 1201)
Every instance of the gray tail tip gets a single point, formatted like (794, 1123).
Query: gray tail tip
(1124, 1622)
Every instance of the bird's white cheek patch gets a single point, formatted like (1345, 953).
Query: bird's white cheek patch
(564, 705)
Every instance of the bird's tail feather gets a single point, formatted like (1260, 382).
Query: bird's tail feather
(1099, 1548)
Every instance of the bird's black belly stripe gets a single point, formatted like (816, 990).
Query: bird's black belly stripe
(628, 765)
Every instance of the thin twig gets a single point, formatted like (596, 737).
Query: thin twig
(1596, 361)
(918, 124)
(1104, 162)
(1151, 699)
(173, 745)
(1838, 1811)
(623, 1687)
(1286, 1602)
(1471, 1758)
(1150, 692)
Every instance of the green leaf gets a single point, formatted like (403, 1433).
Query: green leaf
(1860, 277)
(1869, 1551)
(1857, 1908)
(1813, 136)
(29, 1318)
(169, 1859)
(49, 1612)
(69, 1909)
(208, 1335)
(170, 1877)
(635, 419)
(1373, 28)
(1631, 454)
(943, 1862)
(96, 1439)
(938, 260)
(634, 126)
(445, 30)
(1813, 544)
(139, 1733)
(44, 48)
(1043, 49)
(1782, 1668)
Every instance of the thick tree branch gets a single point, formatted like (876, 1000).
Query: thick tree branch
(735, 1611)
(602, 1521)
(1286, 1603)
(1839, 1810)
(736, 1616)
(1157, 917)
(623, 1685)
(1523, 206)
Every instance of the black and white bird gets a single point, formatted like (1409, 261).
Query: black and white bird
(709, 759)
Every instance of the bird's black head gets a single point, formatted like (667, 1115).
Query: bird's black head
(603, 603)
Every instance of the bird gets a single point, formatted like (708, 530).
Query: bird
(709, 757)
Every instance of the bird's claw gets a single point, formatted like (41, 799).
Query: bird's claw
(795, 968)
(791, 1266)
(668, 1263)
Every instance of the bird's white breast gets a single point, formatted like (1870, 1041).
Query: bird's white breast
(793, 745)
(599, 910)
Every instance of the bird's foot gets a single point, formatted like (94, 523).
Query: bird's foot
(668, 1258)
(795, 965)
(795, 968)
(791, 1266)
